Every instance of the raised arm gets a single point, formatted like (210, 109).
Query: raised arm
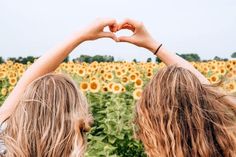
(142, 38)
(52, 59)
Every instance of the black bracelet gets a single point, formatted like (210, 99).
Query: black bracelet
(155, 53)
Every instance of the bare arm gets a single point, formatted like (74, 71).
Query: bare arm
(170, 58)
(45, 64)
(142, 38)
(51, 60)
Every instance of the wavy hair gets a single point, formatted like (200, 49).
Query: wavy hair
(178, 116)
(51, 120)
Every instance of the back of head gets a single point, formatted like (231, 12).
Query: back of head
(178, 116)
(50, 120)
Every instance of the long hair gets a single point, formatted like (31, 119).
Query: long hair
(51, 120)
(178, 116)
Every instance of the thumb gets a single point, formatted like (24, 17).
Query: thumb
(125, 39)
(109, 35)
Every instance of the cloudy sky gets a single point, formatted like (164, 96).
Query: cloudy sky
(206, 27)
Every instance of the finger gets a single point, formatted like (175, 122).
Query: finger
(125, 39)
(128, 26)
(109, 35)
(130, 22)
(113, 28)
(108, 22)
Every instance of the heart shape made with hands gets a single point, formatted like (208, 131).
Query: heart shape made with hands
(121, 26)
(139, 37)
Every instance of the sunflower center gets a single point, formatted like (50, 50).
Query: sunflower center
(94, 85)
(84, 86)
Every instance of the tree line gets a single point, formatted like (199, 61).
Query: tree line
(191, 57)
(82, 58)
(107, 58)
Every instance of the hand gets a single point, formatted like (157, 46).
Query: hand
(96, 30)
(140, 38)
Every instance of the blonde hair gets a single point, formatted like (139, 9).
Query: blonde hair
(51, 120)
(178, 116)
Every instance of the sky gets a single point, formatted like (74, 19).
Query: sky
(206, 27)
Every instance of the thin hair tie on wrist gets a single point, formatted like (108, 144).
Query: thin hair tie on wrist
(155, 53)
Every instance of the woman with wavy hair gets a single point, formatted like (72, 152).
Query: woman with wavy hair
(180, 114)
(46, 115)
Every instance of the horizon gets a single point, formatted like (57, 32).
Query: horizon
(120, 60)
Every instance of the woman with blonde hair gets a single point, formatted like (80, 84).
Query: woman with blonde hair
(46, 115)
(180, 114)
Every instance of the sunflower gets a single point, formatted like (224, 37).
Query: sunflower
(124, 80)
(62, 65)
(21, 71)
(105, 89)
(4, 91)
(222, 71)
(2, 75)
(81, 72)
(123, 90)
(137, 94)
(132, 77)
(214, 79)
(231, 87)
(205, 69)
(138, 83)
(66, 67)
(11, 74)
(149, 70)
(110, 85)
(12, 81)
(109, 76)
(89, 71)
(149, 75)
(84, 86)
(229, 66)
(213, 67)
(124, 71)
(72, 71)
(94, 86)
(71, 65)
(101, 71)
(10, 89)
(111, 67)
(233, 62)
(117, 88)
(119, 73)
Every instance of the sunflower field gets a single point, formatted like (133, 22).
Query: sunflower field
(112, 90)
